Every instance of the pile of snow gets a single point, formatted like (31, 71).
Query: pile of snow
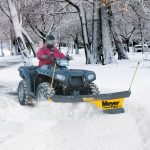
(9, 60)
(79, 126)
(6, 52)
(147, 56)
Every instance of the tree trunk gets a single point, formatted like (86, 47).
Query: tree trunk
(12, 49)
(124, 41)
(141, 32)
(60, 44)
(18, 32)
(142, 41)
(118, 41)
(127, 44)
(84, 32)
(70, 45)
(96, 34)
(76, 44)
(106, 36)
(29, 41)
(10, 46)
(2, 53)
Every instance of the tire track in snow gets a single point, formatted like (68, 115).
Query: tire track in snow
(12, 117)
(142, 119)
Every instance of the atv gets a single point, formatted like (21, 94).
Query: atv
(57, 83)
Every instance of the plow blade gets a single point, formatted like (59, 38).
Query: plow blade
(111, 103)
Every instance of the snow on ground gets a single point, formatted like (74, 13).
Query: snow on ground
(51, 126)
(6, 52)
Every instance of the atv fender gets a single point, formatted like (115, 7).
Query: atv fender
(25, 74)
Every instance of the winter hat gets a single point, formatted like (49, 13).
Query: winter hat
(50, 37)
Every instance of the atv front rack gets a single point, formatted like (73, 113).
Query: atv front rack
(109, 103)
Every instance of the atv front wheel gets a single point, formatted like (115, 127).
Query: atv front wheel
(94, 89)
(44, 92)
(23, 97)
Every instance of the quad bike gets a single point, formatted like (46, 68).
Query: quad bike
(63, 85)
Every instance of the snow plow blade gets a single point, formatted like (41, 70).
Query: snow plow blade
(111, 103)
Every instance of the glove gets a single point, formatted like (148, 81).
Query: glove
(68, 57)
(45, 56)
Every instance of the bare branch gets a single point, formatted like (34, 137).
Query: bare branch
(35, 29)
(51, 13)
(73, 4)
(138, 13)
(5, 12)
(5, 33)
(57, 23)
(131, 32)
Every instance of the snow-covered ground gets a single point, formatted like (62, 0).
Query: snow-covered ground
(51, 126)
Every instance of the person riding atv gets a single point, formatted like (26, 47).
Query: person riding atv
(52, 80)
(49, 52)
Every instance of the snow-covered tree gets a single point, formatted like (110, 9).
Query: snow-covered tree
(97, 49)
(96, 23)
(133, 21)
(43, 16)
(118, 40)
(21, 36)
(106, 34)
(83, 19)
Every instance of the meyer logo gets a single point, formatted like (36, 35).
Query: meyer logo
(88, 99)
(107, 104)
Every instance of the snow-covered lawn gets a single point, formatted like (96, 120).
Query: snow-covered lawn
(53, 126)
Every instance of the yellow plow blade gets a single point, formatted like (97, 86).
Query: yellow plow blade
(106, 104)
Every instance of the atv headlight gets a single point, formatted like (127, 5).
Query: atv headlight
(60, 77)
(90, 77)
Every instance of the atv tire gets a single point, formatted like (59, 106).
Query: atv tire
(44, 92)
(94, 89)
(23, 97)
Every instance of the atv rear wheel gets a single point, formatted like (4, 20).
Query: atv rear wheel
(23, 97)
(94, 89)
(44, 92)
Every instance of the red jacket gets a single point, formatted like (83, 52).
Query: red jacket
(45, 51)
